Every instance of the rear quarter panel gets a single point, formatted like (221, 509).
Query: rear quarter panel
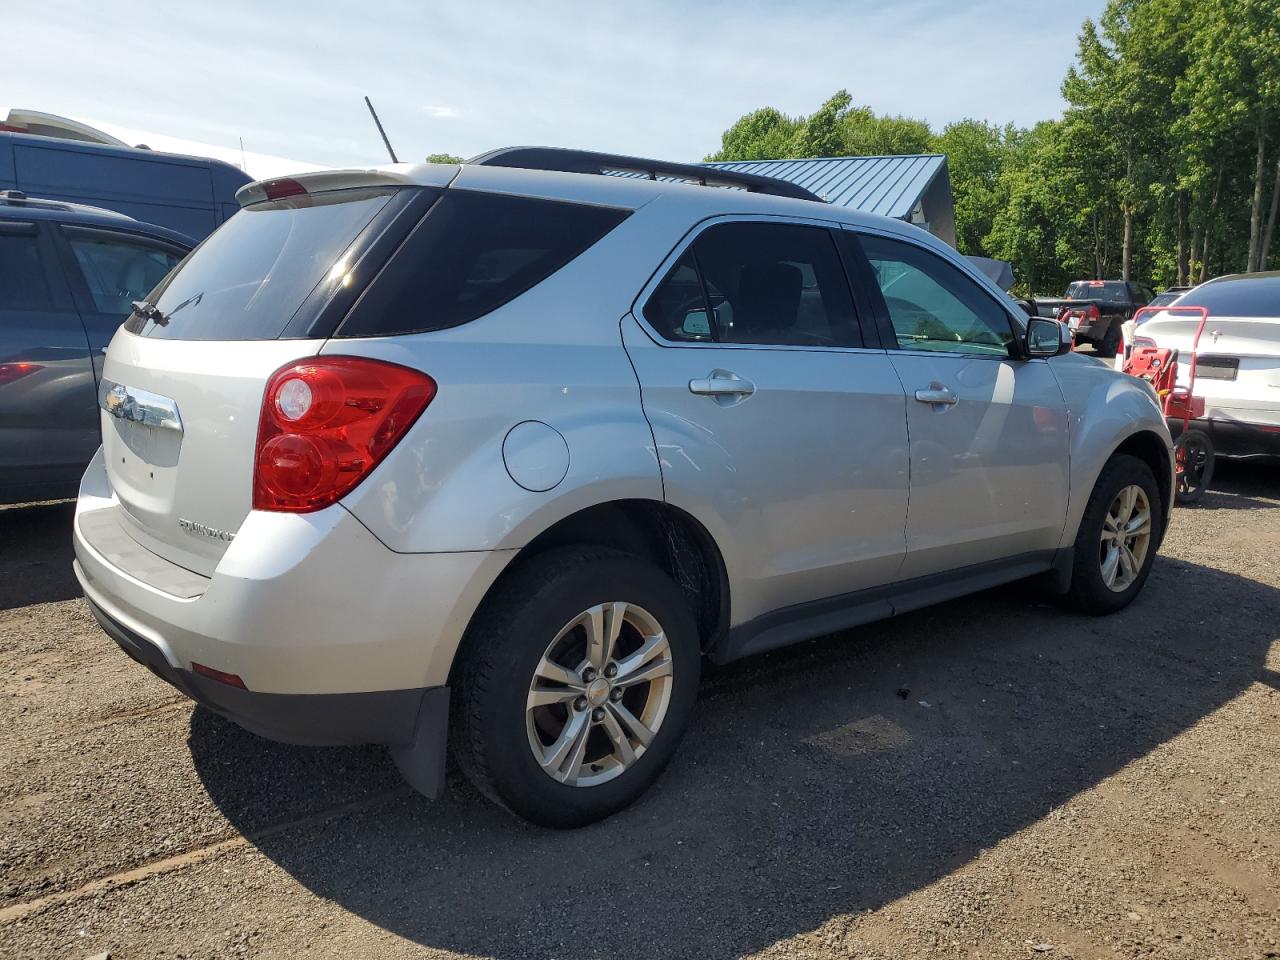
(1104, 409)
(552, 355)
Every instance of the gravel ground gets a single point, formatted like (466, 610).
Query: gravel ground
(989, 778)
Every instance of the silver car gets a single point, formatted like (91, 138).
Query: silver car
(493, 455)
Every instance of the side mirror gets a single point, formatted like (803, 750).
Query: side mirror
(1047, 338)
(696, 326)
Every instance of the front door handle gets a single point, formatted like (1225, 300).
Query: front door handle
(722, 383)
(938, 393)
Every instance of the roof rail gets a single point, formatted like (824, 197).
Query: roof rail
(586, 161)
(18, 198)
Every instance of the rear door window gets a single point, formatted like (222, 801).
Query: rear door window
(119, 269)
(774, 284)
(472, 253)
(249, 278)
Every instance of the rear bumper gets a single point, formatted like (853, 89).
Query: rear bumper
(413, 723)
(302, 604)
(1235, 438)
(328, 719)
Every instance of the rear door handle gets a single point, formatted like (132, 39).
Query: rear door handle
(722, 383)
(937, 393)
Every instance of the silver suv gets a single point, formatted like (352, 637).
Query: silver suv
(493, 455)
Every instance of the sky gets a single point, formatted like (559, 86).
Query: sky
(660, 78)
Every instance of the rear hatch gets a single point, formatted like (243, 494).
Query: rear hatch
(184, 378)
(1238, 361)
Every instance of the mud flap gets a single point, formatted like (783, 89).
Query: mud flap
(422, 761)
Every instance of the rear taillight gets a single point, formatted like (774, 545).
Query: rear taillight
(326, 423)
(1091, 312)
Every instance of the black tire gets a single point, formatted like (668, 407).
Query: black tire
(504, 646)
(1089, 592)
(1194, 456)
(1109, 346)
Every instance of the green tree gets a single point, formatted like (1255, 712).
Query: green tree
(976, 154)
(1231, 94)
(764, 134)
(443, 158)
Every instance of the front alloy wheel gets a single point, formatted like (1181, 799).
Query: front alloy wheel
(599, 694)
(1126, 538)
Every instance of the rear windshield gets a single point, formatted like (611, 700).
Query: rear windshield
(248, 279)
(472, 253)
(1108, 291)
(1243, 297)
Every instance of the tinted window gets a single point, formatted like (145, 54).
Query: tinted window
(118, 269)
(678, 308)
(1245, 297)
(1108, 291)
(246, 281)
(472, 253)
(769, 283)
(22, 278)
(932, 305)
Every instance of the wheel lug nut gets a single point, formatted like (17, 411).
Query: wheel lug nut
(580, 703)
(589, 674)
(597, 714)
(616, 693)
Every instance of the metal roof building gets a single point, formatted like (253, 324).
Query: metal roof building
(914, 188)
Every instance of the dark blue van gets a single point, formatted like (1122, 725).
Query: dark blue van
(191, 195)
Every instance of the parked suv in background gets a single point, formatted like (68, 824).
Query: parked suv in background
(68, 274)
(504, 449)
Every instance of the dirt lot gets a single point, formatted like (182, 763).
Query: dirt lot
(989, 778)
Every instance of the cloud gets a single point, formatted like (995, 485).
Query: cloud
(435, 111)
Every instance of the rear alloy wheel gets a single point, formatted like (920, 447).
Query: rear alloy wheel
(576, 684)
(599, 695)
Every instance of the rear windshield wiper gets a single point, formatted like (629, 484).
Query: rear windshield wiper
(149, 311)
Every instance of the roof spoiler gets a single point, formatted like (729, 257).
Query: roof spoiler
(436, 174)
(585, 161)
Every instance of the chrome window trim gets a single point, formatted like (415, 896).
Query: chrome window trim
(697, 230)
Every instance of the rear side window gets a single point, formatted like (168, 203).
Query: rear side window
(472, 253)
(775, 284)
(1245, 297)
(248, 279)
(22, 278)
(119, 269)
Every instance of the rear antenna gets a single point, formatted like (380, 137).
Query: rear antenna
(374, 113)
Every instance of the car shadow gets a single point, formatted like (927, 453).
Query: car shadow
(826, 779)
(36, 554)
(1242, 485)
